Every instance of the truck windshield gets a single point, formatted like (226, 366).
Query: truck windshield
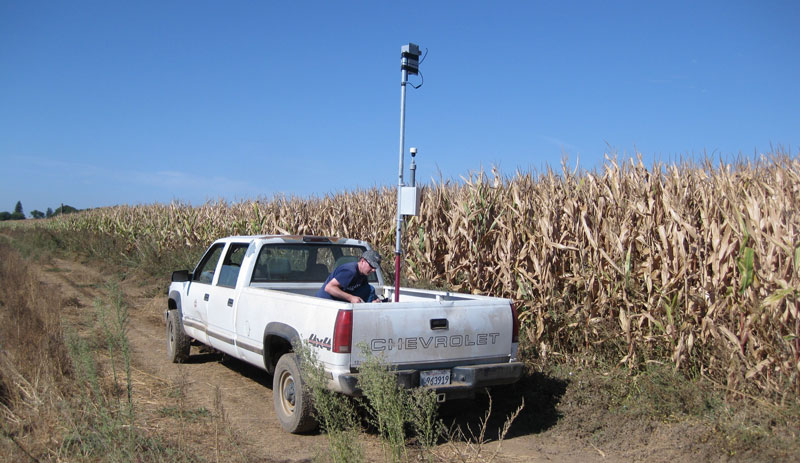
(303, 262)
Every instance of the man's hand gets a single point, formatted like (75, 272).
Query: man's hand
(355, 299)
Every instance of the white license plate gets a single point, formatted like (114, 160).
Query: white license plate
(434, 377)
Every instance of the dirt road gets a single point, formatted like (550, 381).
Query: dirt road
(244, 394)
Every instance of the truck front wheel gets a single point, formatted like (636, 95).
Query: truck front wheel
(178, 343)
(292, 401)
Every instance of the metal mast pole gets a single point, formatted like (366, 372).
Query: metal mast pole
(409, 62)
(400, 185)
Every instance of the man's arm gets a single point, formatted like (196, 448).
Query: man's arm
(335, 289)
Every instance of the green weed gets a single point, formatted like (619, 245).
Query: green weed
(336, 413)
(101, 425)
(398, 414)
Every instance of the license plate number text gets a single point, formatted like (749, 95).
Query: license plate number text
(434, 377)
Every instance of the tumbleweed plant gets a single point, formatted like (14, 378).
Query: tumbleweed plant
(396, 412)
(336, 413)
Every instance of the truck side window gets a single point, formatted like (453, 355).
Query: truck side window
(204, 273)
(232, 264)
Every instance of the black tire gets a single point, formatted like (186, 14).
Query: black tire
(178, 343)
(292, 400)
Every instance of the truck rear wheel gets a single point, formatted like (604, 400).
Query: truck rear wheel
(178, 343)
(292, 400)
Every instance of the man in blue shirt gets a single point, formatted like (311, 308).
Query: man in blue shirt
(348, 282)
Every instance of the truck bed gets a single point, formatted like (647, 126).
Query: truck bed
(425, 329)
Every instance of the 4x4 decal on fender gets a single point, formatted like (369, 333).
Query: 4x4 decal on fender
(317, 342)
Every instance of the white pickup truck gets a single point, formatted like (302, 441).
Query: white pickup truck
(252, 297)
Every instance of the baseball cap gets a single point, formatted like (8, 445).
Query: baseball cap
(372, 257)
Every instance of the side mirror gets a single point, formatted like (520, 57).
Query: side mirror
(179, 276)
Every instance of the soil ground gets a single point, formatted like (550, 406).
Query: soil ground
(556, 424)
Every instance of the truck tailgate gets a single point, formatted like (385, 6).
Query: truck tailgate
(421, 335)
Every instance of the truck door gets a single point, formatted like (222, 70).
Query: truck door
(221, 303)
(195, 312)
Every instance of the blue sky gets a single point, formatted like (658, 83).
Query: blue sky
(107, 102)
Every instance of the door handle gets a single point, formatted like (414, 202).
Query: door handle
(230, 302)
(205, 298)
(439, 323)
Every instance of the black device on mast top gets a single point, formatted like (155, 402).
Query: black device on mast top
(410, 58)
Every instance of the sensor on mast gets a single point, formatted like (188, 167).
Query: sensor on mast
(409, 58)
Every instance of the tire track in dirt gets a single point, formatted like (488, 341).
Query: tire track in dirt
(245, 392)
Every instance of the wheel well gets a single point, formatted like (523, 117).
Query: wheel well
(274, 347)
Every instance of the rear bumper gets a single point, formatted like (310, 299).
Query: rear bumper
(465, 380)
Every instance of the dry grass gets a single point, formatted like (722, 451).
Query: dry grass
(35, 368)
(697, 266)
(63, 397)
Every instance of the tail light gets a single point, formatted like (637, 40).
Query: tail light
(515, 327)
(343, 332)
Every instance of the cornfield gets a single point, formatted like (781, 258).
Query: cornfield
(690, 264)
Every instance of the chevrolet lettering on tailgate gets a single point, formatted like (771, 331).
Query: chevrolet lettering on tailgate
(435, 342)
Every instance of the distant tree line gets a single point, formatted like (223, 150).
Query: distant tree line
(18, 213)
